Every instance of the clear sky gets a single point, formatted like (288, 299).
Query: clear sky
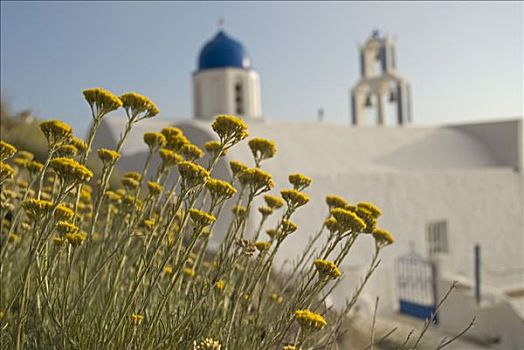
(464, 59)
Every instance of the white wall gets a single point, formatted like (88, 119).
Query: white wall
(214, 92)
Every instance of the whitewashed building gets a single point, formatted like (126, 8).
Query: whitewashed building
(442, 189)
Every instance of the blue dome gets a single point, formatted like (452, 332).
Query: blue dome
(223, 51)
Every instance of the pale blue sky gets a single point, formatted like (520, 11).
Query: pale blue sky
(464, 59)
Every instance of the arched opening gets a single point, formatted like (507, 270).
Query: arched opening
(239, 98)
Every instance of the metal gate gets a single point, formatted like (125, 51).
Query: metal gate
(416, 285)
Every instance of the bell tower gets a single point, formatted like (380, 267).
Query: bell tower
(380, 83)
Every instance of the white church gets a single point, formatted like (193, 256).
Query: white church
(444, 190)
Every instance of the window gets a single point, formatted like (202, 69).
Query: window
(437, 237)
(239, 102)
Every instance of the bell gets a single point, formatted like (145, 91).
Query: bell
(368, 101)
(392, 96)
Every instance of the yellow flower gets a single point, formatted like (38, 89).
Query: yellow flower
(168, 270)
(294, 198)
(80, 145)
(25, 155)
(133, 175)
(129, 183)
(136, 103)
(66, 151)
(75, 239)
(6, 172)
(239, 211)
(154, 187)
(288, 227)
(175, 139)
(107, 156)
(219, 190)
(207, 344)
(291, 347)
(70, 170)
(263, 246)
(273, 202)
(383, 237)
(265, 211)
(101, 101)
(230, 129)
(63, 213)
(258, 180)
(276, 298)
(191, 152)
(336, 202)
(237, 167)
(34, 167)
(148, 224)
(220, 284)
(58, 241)
(348, 220)
(37, 207)
(189, 272)
(136, 319)
(56, 132)
(299, 181)
(375, 212)
(332, 224)
(169, 158)
(310, 321)
(192, 174)
(262, 149)
(272, 232)
(368, 218)
(154, 139)
(214, 148)
(6, 150)
(64, 227)
(200, 218)
(327, 269)
(14, 238)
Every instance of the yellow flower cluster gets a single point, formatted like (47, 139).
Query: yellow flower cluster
(63, 213)
(383, 237)
(272, 232)
(327, 269)
(291, 347)
(265, 211)
(189, 272)
(37, 207)
(347, 220)
(6, 171)
(220, 190)
(239, 211)
(263, 246)
(258, 180)
(66, 151)
(75, 239)
(276, 298)
(129, 183)
(80, 145)
(34, 167)
(133, 175)
(200, 218)
(366, 216)
(107, 156)
(175, 139)
(101, 101)
(64, 227)
(262, 149)
(237, 167)
(136, 103)
(191, 152)
(336, 202)
(154, 140)
(299, 181)
(154, 187)
(169, 158)
(230, 129)
(375, 212)
(294, 198)
(207, 344)
(136, 319)
(273, 202)
(70, 170)
(6, 150)
(288, 227)
(56, 132)
(214, 148)
(310, 321)
(220, 284)
(192, 174)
